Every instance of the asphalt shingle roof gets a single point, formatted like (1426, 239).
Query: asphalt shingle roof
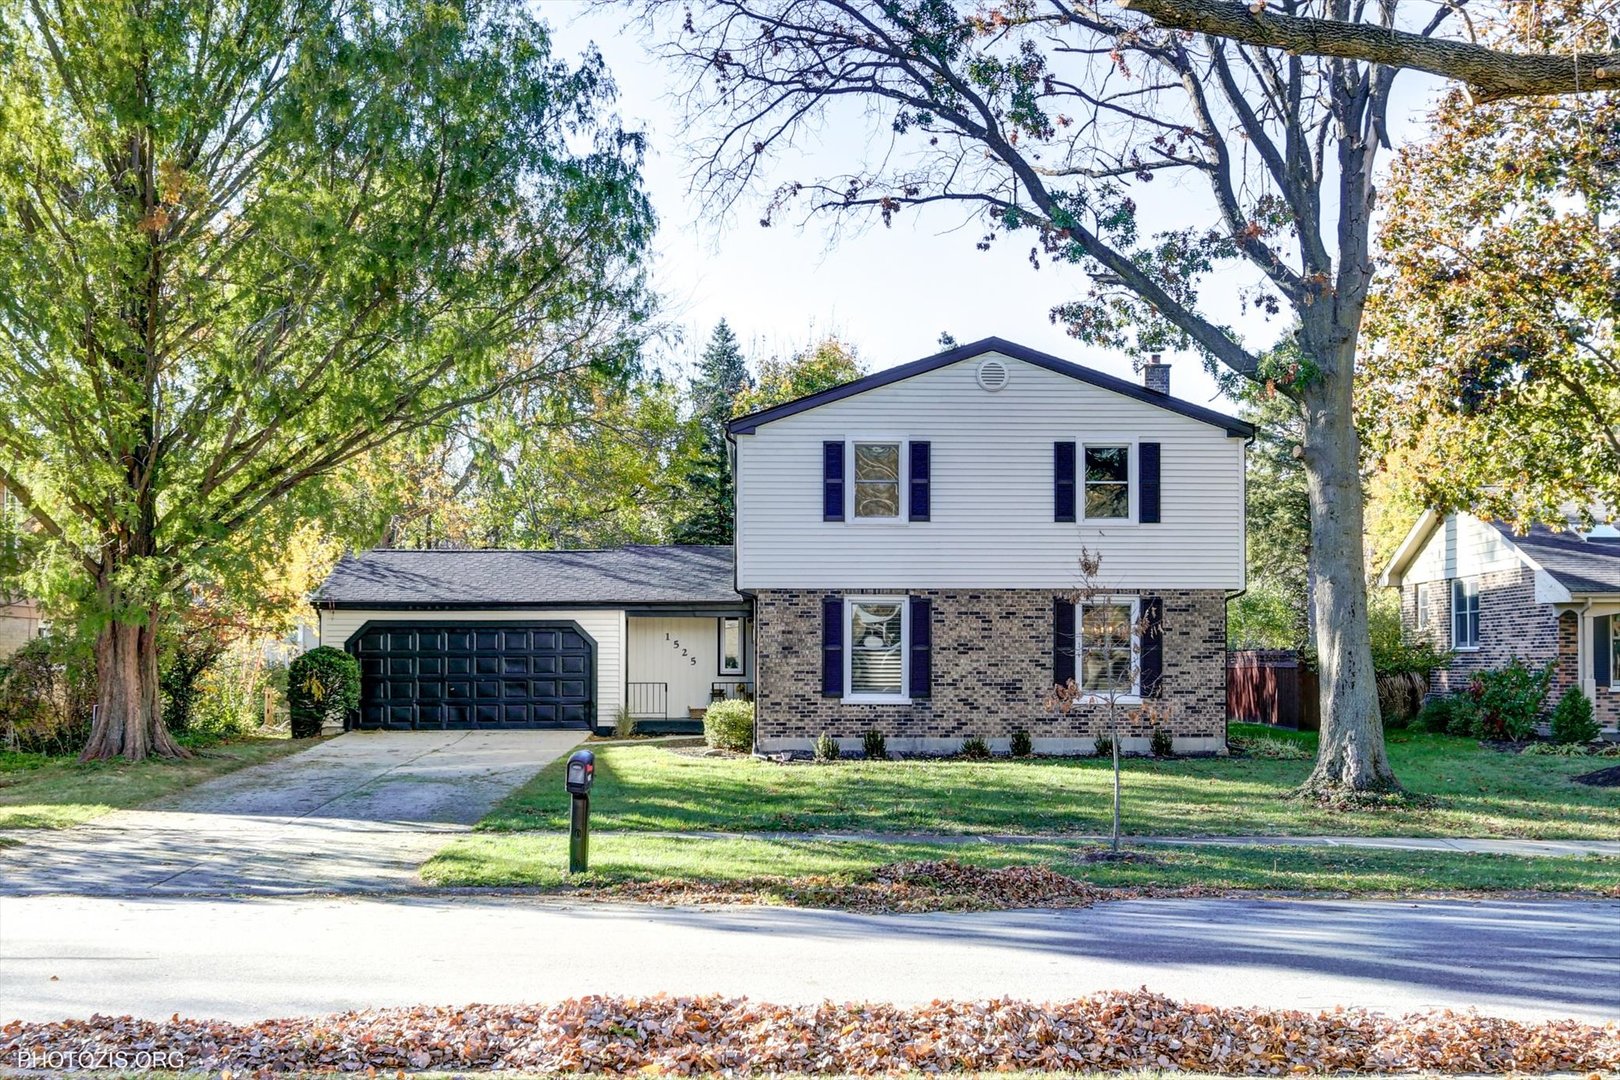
(1580, 565)
(688, 574)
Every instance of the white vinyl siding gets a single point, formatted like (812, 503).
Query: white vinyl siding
(605, 626)
(684, 654)
(991, 491)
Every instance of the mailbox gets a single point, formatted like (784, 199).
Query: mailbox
(581, 772)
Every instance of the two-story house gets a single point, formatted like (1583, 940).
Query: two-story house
(906, 560)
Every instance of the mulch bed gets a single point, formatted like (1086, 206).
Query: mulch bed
(1609, 777)
(694, 1035)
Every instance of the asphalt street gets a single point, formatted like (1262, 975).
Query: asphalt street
(245, 959)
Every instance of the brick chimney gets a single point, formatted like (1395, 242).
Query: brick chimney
(1156, 376)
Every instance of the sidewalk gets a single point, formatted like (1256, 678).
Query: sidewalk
(1482, 846)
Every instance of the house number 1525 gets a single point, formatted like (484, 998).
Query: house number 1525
(675, 643)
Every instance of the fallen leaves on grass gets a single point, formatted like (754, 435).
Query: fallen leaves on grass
(692, 1035)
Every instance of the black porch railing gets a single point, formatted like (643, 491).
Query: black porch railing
(648, 700)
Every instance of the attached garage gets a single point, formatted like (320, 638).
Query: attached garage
(511, 640)
(433, 675)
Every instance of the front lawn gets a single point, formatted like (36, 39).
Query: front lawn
(1477, 792)
(39, 792)
(813, 871)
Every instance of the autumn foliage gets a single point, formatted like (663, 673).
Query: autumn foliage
(699, 1035)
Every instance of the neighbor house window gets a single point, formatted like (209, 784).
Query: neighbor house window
(877, 480)
(1423, 606)
(731, 646)
(1464, 614)
(1106, 651)
(1108, 482)
(877, 648)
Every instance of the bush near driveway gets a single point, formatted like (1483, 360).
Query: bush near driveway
(665, 1035)
(323, 687)
(1476, 791)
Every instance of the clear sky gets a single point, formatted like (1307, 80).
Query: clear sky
(889, 292)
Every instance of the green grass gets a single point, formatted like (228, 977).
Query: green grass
(536, 860)
(1476, 792)
(39, 792)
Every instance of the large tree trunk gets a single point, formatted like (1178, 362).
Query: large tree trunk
(1351, 756)
(129, 712)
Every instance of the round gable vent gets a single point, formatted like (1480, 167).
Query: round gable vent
(993, 374)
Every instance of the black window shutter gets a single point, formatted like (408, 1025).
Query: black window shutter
(832, 646)
(1602, 656)
(832, 481)
(920, 476)
(921, 676)
(1063, 481)
(1062, 639)
(1152, 647)
(1147, 466)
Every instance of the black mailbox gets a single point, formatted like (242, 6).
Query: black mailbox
(581, 772)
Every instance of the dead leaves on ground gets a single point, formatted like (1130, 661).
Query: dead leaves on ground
(693, 1035)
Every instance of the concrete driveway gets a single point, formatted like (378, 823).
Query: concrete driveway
(356, 814)
(251, 959)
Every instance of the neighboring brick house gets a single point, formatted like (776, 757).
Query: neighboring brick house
(907, 547)
(1488, 595)
(910, 540)
(20, 620)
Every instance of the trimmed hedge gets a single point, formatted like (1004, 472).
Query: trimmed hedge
(729, 725)
(323, 686)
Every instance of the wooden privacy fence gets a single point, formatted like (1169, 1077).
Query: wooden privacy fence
(1271, 686)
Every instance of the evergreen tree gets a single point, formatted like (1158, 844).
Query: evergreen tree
(722, 374)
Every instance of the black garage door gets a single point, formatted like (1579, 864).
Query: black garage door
(437, 675)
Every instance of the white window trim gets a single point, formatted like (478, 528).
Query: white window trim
(742, 647)
(902, 698)
(1131, 484)
(903, 472)
(1135, 602)
(1479, 634)
(1423, 616)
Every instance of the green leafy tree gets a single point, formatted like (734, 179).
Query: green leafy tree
(828, 363)
(722, 374)
(1275, 611)
(243, 242)
(1497, 382)
(1052, 121)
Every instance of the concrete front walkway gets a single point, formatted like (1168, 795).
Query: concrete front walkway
(1481, 845)
(356, 814)
(251, 959)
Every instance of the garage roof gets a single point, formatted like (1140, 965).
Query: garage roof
(450, 578)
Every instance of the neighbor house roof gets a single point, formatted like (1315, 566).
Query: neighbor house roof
(1580, 565)
(450, 578)
(744, 425)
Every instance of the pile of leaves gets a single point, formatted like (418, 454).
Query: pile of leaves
(915, 886)
(691, 1035)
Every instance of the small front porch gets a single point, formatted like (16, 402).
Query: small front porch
(677, 664)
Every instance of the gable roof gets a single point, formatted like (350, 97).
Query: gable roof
(483, 578)
(1580, 566)
(745, 425)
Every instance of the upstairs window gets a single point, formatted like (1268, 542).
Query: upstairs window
(877, 480)
(877, 648)
(1108, 483)
(1464, 614)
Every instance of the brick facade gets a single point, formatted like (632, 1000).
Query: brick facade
(992, 672)
(1511, 624)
